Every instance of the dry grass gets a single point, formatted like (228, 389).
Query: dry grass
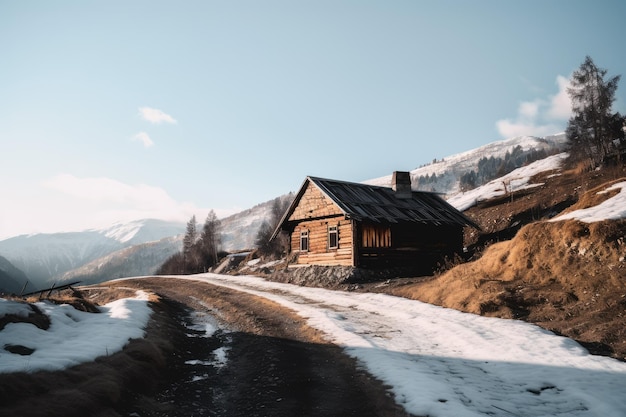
(595, 196)
(566, 276)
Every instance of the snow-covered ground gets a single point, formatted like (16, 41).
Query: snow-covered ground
(612, 209)
(516, 180)
(74, 336)
(441, 362)
(437, 361)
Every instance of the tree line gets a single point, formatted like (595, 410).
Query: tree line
(492, 167)
(595, 132)
(201, 250)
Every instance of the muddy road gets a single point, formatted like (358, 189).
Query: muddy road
(262, 361)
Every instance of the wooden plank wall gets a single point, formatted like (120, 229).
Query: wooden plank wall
(375, 236)
(318, 253)
(314, 204)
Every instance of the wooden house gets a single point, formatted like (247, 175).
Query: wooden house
(353, 224)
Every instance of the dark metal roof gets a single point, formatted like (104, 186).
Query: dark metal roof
(380, 204)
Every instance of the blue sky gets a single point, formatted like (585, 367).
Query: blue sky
(130, 109)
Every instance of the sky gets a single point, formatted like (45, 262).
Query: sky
(115, 111)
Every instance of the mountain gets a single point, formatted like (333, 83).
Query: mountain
(46, 257)
(239, 231)
(473, 168)
(136, 260)
(12, 280)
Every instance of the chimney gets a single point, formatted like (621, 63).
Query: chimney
(401, 184)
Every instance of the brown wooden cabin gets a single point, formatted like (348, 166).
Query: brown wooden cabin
(343, 223)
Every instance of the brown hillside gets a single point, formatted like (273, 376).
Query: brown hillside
(566, 276)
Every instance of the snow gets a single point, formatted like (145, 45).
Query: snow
(123, 232)
(438, 362)
(612, 209)
(449, 170)
(516, 180)
(74, 336)
(441, 362)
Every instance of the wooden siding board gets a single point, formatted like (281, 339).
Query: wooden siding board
(314, 204)
(319, 253)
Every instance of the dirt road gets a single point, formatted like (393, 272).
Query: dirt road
(276, 365)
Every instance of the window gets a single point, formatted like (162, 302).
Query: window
(333, 237)
(304, 241)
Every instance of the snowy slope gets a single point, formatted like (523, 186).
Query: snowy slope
(448, 172)
(514, 181)
(612, 209)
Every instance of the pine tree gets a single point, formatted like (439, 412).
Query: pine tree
(210, 240)
(593, 127)
(189, 241)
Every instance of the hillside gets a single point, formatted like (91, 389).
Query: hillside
(136, 260)
(564, 275)
(239, 231)
(476, 167)
(12, 280)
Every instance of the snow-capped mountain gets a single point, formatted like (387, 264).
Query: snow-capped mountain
(141, 231)
(46, 257)
(486, 163)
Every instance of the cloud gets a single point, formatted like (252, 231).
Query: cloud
(561, 104)
(66, 203)
(101, 201)
(155, 116)
(509, 129)
(143, 138)
(540, 117)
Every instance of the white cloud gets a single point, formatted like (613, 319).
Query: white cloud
(529, 109)
(561, 104)
(155, 116)
(540, 117)
(73, 203)
(509, 129)
(143, 138)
